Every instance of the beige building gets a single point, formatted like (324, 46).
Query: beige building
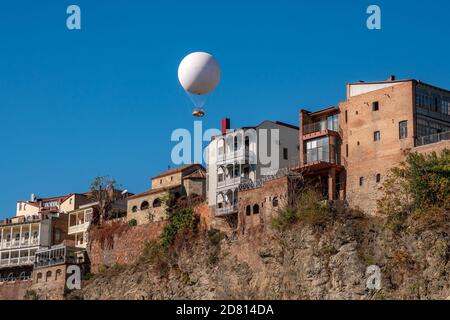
(188, 180)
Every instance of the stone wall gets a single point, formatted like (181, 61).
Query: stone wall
(126, 247)
(434, 147)
(49, 283)
(14, 290)
(258, 206)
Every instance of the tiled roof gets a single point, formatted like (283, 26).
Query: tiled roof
(178, 169)
(199, 174)
(154, 191)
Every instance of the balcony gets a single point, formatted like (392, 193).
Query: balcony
(232, 182)
(318, 127)
(17, 261)
(227, 210)
(78, 228)
(234, 156)
(317, 155)
(434, 138)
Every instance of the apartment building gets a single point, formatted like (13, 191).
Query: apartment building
(184, 181)
(39, 223)
(244, 156)
(373, 130)
(80, 219)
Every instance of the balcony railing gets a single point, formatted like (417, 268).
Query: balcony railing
(226, 210)
(434, 138)
(232, 182)
(319, 126)
(17, 261)
(19, 243)
(78, 228)
(241, 154)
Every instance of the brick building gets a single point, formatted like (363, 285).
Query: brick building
(358, 142)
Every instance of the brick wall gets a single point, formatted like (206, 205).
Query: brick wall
(49, 283)
(14, 290)
(266, 198)
(126, 248)
(366, 157)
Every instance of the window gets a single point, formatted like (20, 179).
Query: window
(275, 202)
(361, 181)
(235, 143)
(255, 209)
(375, 106)
(248, 210)
(346, 150)
(160, 181)
(403, 129)
(48, 276)
(358, 143)
(285, 153)
(134, 209)
(171, 178)
(346, 116)
(378, 178)
(145, 205)
(376, 136)
(157, 203)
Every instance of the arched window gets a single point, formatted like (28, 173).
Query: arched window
(275, 202)
(235, 143)
(10, 277)
(48, 276)
(38, 277)
(145, 205)
(255, 209)
(248, 210)
(134, 209)
(23, 276)
(156, 203)
(58, 274)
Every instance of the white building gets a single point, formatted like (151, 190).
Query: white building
(245, 155)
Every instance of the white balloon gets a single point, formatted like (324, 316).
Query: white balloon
(199, 73)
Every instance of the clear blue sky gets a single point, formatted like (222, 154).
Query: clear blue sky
(104, 100)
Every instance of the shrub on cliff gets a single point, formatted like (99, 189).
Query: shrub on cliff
(419, 186)
(180, 220)
(309, 208)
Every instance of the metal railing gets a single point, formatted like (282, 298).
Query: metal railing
(318, 126)
(232, 182)
(234, 155)
(434, 138)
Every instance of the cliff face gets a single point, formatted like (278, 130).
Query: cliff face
(304, 262)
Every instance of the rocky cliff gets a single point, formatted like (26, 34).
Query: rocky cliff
(303, 262)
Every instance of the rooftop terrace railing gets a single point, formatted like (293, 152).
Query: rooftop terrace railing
(434, 138)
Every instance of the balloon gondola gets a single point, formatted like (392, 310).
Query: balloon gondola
(199, 74)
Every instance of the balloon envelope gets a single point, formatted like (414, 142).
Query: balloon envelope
(199, 73)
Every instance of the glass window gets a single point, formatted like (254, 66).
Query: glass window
(376, 136)
(375, 106)
(403, 129)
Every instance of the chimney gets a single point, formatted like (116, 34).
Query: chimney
(225, 125)
(392, 78)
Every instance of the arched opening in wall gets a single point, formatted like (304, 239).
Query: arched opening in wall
(23, 276)
(256, 209)
(177, 195)
(145, 205)
(38, 277)
(48, 276)
(157, 203)
(58, 274)
(134, 209)
(275, 202)
(248, 210)
(10, 277)
(235, 144)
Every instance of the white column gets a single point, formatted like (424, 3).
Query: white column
(20, 237)
(11, 237)
(2, 241)
(29, 235)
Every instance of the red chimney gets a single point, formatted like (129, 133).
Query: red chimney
(225, 125)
